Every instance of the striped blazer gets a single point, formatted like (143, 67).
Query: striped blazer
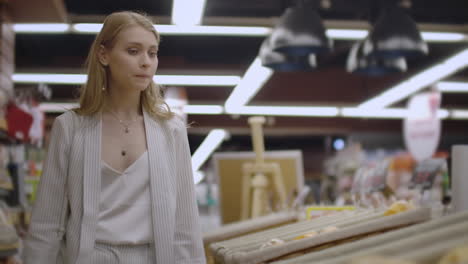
(70, 186)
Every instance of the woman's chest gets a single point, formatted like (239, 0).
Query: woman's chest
(120, 148)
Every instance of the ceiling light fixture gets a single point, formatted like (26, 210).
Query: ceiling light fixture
(453, 87)
(300, 31)
(419, 81)
(357, 62)
(254, 79)
(187, 13)
(395, 34)
(188, 80)
(282, 62)
(212, 141)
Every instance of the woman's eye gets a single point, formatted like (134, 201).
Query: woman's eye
(153, 54)
(132, 51)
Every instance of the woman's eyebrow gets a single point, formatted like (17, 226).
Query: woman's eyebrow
(140, 44)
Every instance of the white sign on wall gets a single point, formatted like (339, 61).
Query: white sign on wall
(422, 125)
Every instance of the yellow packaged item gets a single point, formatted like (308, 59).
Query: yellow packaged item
(398, 207)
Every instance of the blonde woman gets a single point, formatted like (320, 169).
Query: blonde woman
(117, 182)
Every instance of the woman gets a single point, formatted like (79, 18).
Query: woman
(117, 183)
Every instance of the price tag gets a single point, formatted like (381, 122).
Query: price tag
(422, 126)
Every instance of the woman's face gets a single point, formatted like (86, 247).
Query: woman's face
(133, 59)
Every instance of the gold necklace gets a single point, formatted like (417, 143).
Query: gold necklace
(126, 127)
(122, 123)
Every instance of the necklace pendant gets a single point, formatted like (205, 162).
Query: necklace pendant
(126, 130)
(123, 153)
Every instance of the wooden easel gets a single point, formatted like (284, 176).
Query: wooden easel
(256, 177)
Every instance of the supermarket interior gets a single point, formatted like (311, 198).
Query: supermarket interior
(319, 131)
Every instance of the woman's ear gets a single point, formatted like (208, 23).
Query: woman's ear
(102, 55)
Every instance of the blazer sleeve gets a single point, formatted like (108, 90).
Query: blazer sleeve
(43, 241)
(188, 243)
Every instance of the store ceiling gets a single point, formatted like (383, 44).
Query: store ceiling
(330, 84)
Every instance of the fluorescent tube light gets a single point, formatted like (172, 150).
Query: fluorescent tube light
(213, 30)
(207, 147)
(198, 80)
(189, 109)
(349, 112)
(41, 28)
(374, 113)
(349, 34)
(453, 87)
(418, 81)
(49, 78)
(357, 34)
(443, 36)
(388, 113)
(315, 111)
(334, 33)
(459, 114)
(198, 176)
(187, 12)
(204, 109)
(189, 80)
(56, 107)
(88, 28)
(254, 78)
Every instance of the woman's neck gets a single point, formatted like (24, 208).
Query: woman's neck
(124, 104)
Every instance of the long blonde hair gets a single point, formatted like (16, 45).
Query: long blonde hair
(92, 95)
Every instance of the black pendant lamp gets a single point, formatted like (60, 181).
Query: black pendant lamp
(300, 31)
(395, 34)
(373, 65)
(282, 62)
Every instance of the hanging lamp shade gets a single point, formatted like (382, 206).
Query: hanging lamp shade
(395, 34)
(281, 62)
(300, 31)
(373, 65)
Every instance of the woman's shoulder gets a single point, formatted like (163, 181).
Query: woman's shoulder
(69, 119)
(176, 123)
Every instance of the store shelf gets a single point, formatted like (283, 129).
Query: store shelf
(8, 253)
(3, 192)
(5, 139)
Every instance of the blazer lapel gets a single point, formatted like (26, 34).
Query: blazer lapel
(91, 184)
(158, 137)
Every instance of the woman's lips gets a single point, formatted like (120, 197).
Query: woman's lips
(142, 76)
